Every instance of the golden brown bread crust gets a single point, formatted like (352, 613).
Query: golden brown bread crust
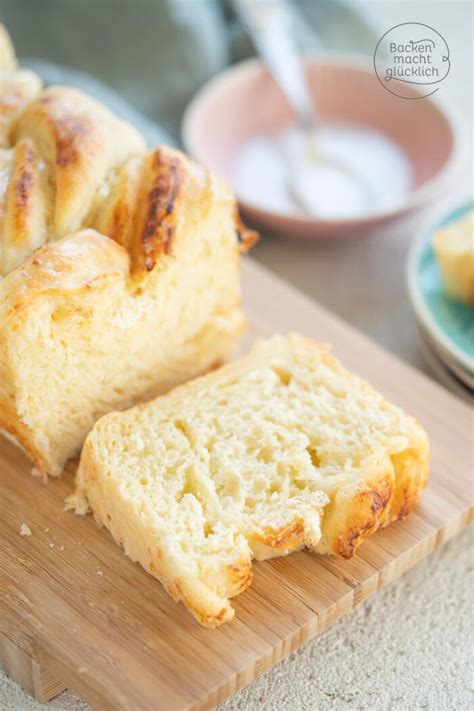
(114, 216)
(24, 223)
(247, 238)
(83, 261)
(163, 176)
(354, 515)
(75, 165)
(411, 471)
(79, 144)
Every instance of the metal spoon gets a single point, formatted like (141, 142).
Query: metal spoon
(269, 24)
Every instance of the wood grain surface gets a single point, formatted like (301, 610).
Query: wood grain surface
(99, 624)
(33, 677)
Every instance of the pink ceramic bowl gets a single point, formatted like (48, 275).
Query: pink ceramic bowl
(244, 101)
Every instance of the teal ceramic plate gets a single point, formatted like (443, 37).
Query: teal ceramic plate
(457, 371)
(443, 373)
(449, 323)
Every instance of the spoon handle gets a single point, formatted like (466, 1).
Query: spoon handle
(269, 24)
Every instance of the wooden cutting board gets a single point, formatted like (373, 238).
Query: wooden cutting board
(75, 612)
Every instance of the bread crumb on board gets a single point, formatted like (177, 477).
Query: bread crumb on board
(78, 503)
(39, 474)
(25, 530)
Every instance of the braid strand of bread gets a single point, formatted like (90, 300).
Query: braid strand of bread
(69, 164)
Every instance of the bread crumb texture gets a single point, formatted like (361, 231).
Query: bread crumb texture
(281, 450)
(25, 530)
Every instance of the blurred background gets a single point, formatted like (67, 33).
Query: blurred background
(155, 55)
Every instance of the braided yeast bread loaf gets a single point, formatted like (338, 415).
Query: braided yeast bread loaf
(119, 266)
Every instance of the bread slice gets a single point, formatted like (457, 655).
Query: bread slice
(281, 450)
(454, 249)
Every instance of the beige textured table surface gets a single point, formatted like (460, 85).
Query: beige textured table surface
(409, 646)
